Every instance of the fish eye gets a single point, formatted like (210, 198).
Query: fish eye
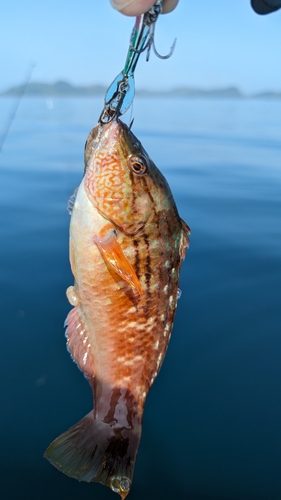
(138, 165)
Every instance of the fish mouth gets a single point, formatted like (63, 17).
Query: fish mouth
(112, 129)
(117, 132)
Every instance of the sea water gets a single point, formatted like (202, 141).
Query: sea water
(212, 420)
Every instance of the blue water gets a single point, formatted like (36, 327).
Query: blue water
(212, 425)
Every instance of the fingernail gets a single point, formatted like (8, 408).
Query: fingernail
(120, 4)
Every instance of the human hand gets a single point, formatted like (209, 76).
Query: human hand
(137, 7)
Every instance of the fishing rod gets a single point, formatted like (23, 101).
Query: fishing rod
(15, 108)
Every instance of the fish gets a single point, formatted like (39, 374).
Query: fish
(127, 244)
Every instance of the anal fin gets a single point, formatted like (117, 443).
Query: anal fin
(78, 342)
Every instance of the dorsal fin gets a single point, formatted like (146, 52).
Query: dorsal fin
(185, 239)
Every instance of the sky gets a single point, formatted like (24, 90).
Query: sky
(220, 43)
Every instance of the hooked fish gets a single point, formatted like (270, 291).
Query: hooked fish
(127, 244)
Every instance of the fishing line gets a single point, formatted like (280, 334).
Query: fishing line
(14, 110)
(131, 121)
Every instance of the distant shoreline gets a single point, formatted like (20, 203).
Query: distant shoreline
(65, 89)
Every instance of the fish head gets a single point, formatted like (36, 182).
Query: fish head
(121, 180)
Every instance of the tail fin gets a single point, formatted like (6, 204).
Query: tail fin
(92, 450)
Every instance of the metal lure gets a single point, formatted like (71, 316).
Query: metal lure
(120, 94)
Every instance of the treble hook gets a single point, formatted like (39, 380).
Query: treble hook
(120, 94)
(151, 43)
(151, 37)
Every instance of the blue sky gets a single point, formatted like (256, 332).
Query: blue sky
(219, 43)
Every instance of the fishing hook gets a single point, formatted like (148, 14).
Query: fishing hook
(151, 43)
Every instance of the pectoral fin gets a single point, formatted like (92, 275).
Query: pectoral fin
(115, 258)
(71, 201)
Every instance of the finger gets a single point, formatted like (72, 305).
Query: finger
(132, 7)
(169, 5)
(137, 7)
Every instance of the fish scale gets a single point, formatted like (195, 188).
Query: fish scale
(127, 243)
